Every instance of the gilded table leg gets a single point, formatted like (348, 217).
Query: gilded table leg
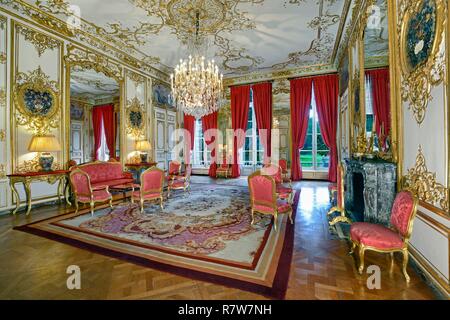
(405, 264)
(60, 184)
(27, 186)
(66, 191)
(361, 259)
(16, 195)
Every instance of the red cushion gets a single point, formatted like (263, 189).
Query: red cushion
(99, 195)
(148, 196)
(283, 206)
(104, 171)
(402, 211)
(177, 184)
(375, 235)
(113, 182)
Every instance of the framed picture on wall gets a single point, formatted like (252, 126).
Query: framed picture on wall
(162, 96)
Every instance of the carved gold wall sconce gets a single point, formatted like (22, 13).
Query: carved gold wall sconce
(37, 101)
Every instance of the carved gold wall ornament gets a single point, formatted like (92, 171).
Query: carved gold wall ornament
(40, 41)
(2, 57)
(37, 101)
(86, 59)
(422, 56)
(136, 118)
(2, 135)
(136, 78)
(2, 97)
(423, 183)
(2, 171)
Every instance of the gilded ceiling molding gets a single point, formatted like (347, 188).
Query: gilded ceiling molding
(42, 14)
(86, 59)
(418, 80)
(136, 78)
(37, 101)
(352, 26)
(423, 183)
(40, 41)
(376, 61)
(282, 74)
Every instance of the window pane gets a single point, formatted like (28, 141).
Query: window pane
(308, 143)
(306, 159)
(323, 159)
(320, 143)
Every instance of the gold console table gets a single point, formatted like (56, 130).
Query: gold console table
(51, 177)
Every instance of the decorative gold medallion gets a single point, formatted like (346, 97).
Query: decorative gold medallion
(422, 58)
(37, 101)
(135, 118)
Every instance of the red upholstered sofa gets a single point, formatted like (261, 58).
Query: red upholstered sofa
(106, 173)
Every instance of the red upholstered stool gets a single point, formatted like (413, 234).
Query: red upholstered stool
(369, 236)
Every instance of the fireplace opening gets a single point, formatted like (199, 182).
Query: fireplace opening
(358, 196)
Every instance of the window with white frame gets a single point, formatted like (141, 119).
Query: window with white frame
(253, 151)
(201, 155)
(315, 155)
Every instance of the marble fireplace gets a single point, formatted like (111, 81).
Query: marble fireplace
(370, 188)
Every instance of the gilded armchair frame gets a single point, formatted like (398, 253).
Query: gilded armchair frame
(186, 182)
(403, 249)
(142, 193)
(91, 201)
(272, 205)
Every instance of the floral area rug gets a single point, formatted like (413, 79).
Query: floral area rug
(205, 235)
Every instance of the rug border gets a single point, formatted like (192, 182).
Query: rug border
(280, 281)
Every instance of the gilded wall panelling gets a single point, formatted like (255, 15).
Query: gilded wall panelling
(40, 70)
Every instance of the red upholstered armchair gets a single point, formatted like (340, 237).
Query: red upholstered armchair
(368, 236)
(283, 192)
(283, 164)
(152, 183)
(86, 193)
(181, 182)
(223, 170)
(263, 198)
(340, 199)
(174, 169)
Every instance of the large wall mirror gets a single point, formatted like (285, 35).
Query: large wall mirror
(372, 105)
(94, 116)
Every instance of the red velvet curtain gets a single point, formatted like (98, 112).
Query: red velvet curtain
(189, 126)
(300, 103)
(109, 124)
(97, 123)
(381, 101)
(240, 99)
(209, 127)
(262, 102)
(326, 91)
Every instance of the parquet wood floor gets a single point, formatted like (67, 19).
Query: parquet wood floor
(33, 267)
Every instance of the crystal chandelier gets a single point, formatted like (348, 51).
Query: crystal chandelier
(197, 84)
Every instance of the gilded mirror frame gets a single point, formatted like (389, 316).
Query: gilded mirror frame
(87, 59)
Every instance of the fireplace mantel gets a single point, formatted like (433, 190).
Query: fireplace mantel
(378, 181)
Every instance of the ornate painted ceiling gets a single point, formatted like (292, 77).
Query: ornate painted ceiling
(88, 84)
(245, 35)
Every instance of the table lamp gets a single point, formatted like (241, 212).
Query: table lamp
(143, 146)
(44, 144)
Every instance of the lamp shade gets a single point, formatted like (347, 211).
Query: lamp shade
(44, 144)
(143, 145)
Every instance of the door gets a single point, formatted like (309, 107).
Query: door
(170, 141)
(76, 141)
(160, 138)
